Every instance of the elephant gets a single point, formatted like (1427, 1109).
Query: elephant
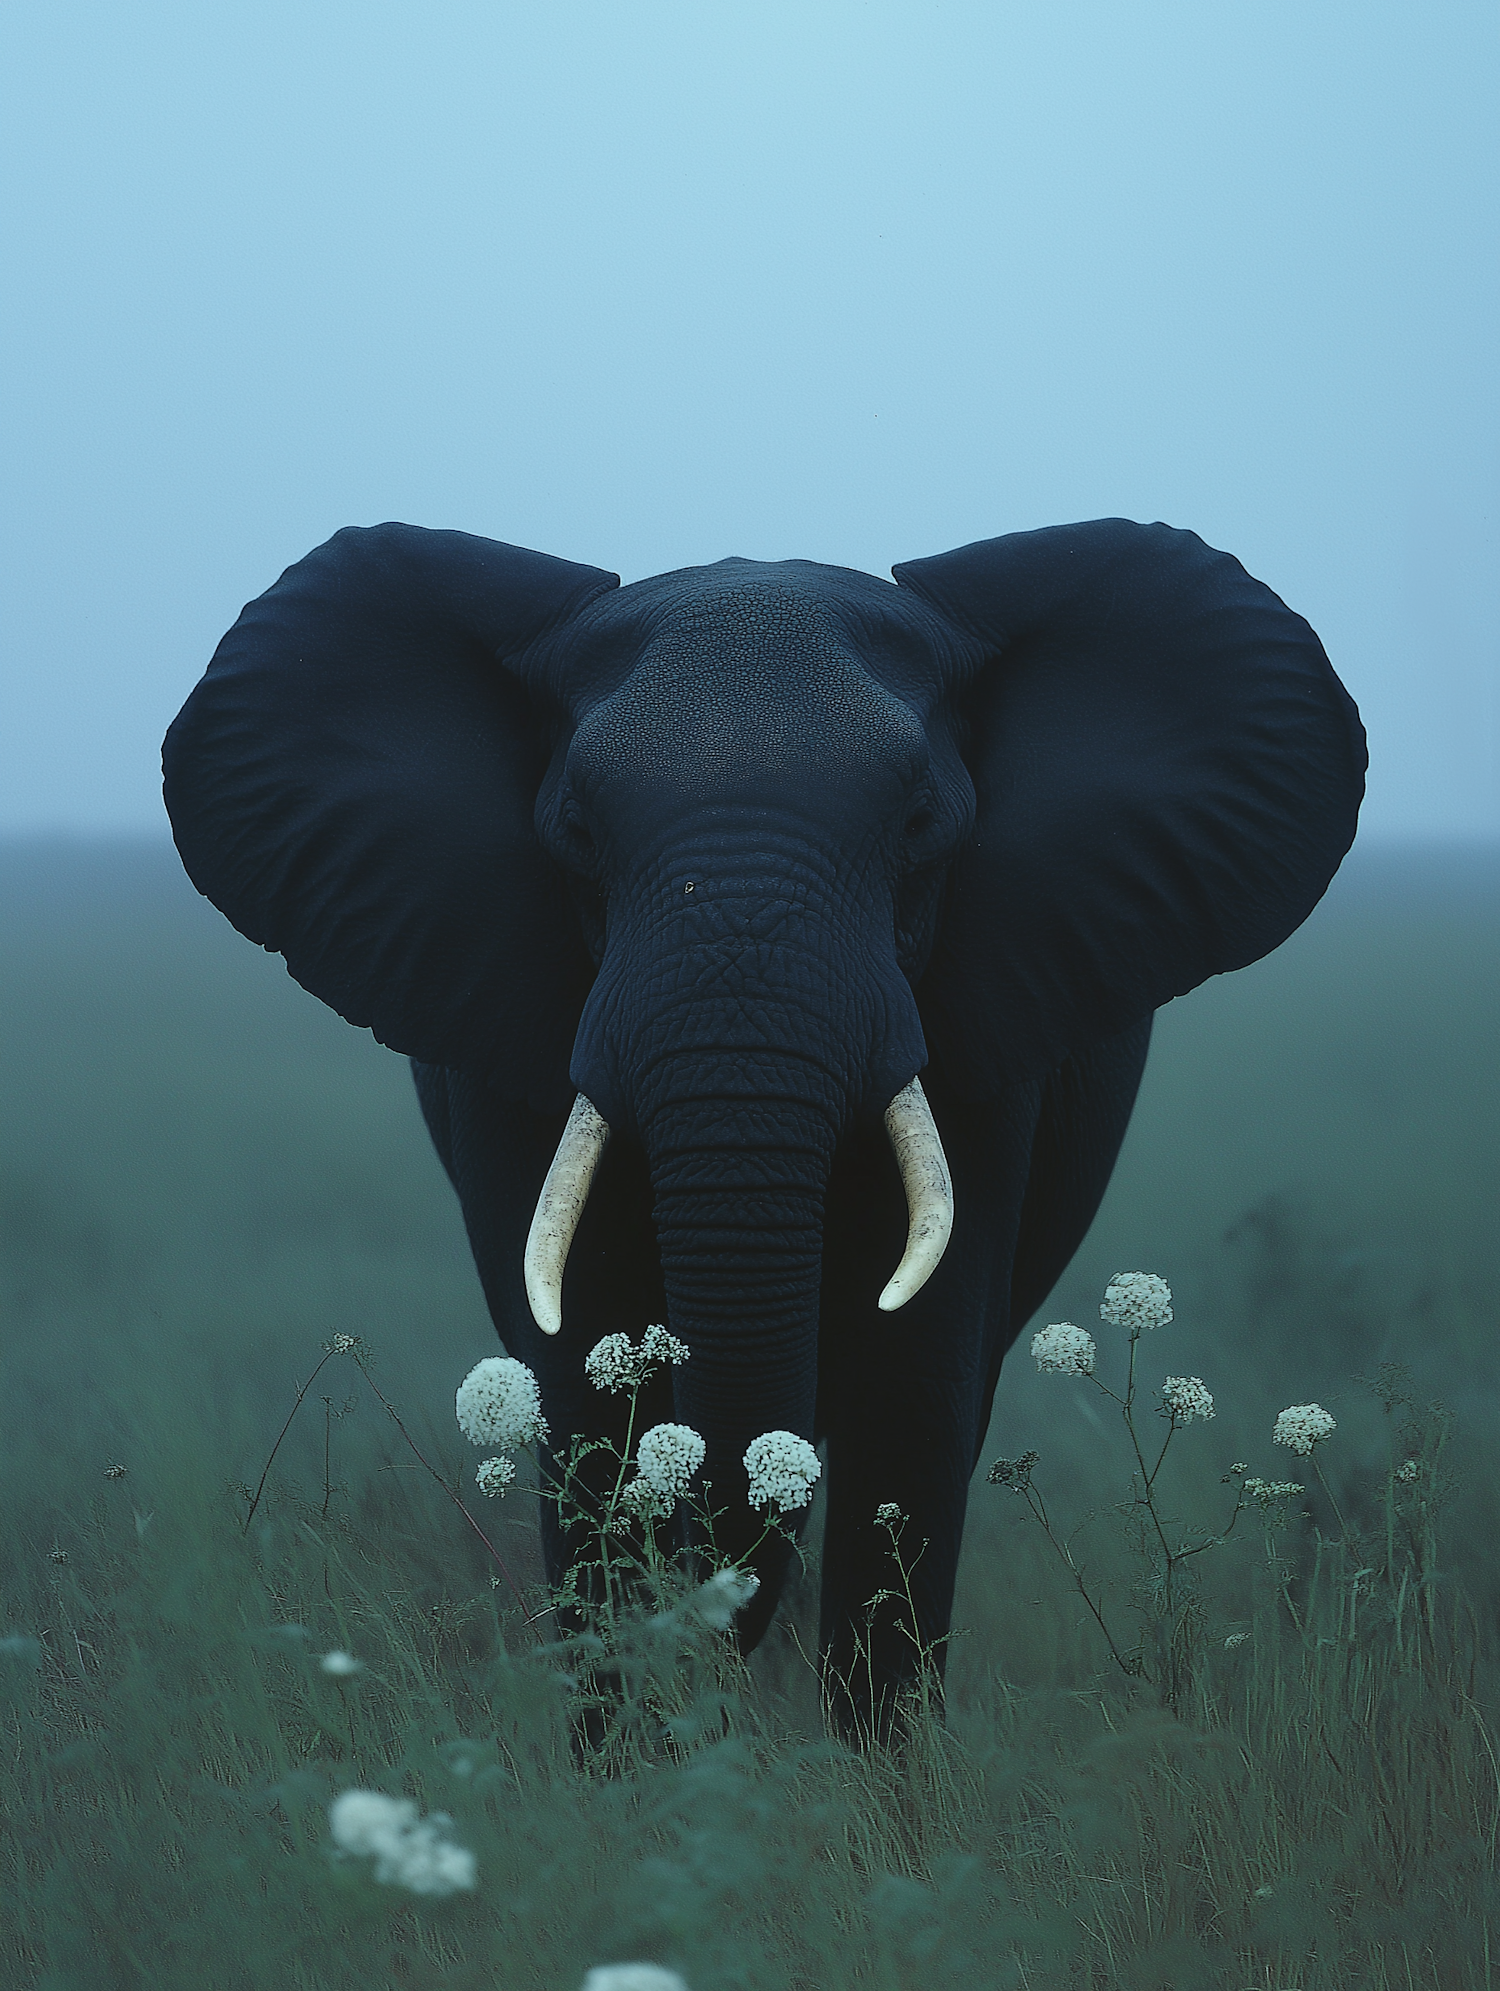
(746, 920)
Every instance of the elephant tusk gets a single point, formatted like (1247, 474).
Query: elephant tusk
(558, 1209)
(929, 1193)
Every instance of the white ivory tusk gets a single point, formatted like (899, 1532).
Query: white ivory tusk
(558, 1209)
(929, 1194)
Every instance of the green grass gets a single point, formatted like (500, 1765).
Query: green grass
(204, 1175)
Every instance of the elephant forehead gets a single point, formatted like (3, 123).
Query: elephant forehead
(749, 681)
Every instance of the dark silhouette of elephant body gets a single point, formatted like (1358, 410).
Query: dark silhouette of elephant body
(735, 853)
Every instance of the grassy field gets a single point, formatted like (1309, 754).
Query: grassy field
(204, 1175)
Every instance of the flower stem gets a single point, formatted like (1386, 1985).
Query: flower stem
(328, 1355)
(494, 1553)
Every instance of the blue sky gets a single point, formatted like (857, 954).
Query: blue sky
(647, 284)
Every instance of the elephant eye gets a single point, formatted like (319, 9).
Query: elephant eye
(576, 830)
(918, 822)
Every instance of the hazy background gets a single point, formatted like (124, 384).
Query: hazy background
(649, 284)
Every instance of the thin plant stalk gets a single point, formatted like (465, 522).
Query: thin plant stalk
(490, 1548)
(327, 1357)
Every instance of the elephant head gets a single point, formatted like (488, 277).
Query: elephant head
(724, 859)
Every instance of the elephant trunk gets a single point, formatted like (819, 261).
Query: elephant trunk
(915, 1142)
(739, 1190)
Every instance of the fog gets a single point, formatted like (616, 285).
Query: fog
(647, 286)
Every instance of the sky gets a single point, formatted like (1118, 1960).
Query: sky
(645, 283)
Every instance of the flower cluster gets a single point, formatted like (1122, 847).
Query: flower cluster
(726, 1592)
(494, 1476)
(498, 1403)
(887, 1514)
(1136, 1300)
(665, 1460)
(615, 1363)
(1408, 1470)
(783, 1469)
(1064, 1349)
(1302, 1426)
(1013, 1473)
(407, 1851)
(1185, 1398)
(1265, 1491)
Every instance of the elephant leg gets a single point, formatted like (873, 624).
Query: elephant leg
(1086, 1108)
(901, 1395)
(497, 1155)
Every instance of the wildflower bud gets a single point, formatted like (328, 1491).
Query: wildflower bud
(1135, 1301)
(783, 1469)
(1064, 1349)
(494, 1476)
(408, 1852)
(1408, 1470)
(726, 1592)
(667, 1457)
(659, 1346)
(1301, 1427)
(498, 1403)
(1185, 1399)
(615, 1363)
(1015, 1474)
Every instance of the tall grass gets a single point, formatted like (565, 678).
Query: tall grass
(204, 1182)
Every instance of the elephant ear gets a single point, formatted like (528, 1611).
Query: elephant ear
(352, 784)
(1167, 771)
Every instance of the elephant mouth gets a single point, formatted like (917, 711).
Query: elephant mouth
(914, 1140)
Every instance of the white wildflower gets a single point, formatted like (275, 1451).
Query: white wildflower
(1186, 1399)
(1264, 1491)
(887, 1514)
(407, 1851)
(340, 1664)
(726, 1592)
(1235, 1640)
(633, 1977)
(1136, 1300)
(782, 1469)
(1408, 1470)
(1301, 1427)
(615, 1363)
(1063, 1349)
(659, 1346)
(498, 1403)
(667, 1457)
(493, 1476)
